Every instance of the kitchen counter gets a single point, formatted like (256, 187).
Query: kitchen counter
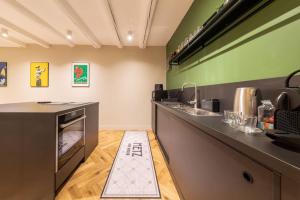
(29, 146)
(259, 148)
(33, 107)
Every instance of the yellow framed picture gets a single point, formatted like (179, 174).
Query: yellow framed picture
(39, 74)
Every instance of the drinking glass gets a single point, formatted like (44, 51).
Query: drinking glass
(250, 125)
(234, 119)
(227, 114)
(241, 119)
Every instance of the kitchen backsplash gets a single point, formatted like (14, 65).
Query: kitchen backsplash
(268, 89)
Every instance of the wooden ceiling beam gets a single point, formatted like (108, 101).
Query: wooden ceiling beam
(26, 12)
(113, 22)
(147, 23)
(21, 31)
(76, 19)
(14, 40)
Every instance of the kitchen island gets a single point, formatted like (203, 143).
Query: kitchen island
(205, 155)
(29, 146)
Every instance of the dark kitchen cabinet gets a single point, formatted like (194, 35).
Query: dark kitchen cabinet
(91, 128)
(27, 152)
(290, 188)
(164, 132)
(153, 117)
(29, 146)
(205, 168)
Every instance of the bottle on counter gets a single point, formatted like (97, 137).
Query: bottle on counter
(266, 115)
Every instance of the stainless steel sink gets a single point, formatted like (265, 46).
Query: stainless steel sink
(193, 111)
(173, 104)
(199, 112)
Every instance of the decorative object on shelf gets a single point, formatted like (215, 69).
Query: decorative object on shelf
(80, 75)
(266, 115)
(3, 74)
(228, 15)
(39, 74)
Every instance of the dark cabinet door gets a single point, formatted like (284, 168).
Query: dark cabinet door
(205, 168)
(153, 117)
(91, 128)
(164, 133)
(27, 156)
(290, 188)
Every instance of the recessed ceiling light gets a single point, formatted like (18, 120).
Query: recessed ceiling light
(4, 32)
(130, 36)
(69, 35)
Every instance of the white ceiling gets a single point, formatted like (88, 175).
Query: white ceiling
(92, 22)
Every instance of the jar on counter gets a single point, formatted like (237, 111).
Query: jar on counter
(266, 115)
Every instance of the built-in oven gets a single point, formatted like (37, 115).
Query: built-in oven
(70, 136)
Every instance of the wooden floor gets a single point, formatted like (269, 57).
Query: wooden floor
(88, 180)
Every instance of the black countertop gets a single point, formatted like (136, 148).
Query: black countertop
(33, 107)
(259, 148)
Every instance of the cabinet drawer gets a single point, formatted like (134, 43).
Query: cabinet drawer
(205, 168)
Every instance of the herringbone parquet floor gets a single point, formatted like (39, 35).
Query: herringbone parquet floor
(88, 180)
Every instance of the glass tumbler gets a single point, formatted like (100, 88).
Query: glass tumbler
(250, 125)
(227, 114)
(234, 119)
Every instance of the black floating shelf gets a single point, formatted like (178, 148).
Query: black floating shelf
(225, 18)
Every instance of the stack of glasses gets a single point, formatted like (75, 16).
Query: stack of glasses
(241, 122)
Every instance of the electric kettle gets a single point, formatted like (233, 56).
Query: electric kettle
(245, 101)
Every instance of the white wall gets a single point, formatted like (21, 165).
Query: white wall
(121, 80)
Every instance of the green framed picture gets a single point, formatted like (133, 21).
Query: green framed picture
(80, 75)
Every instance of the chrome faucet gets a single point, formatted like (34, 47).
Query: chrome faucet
(195, 101)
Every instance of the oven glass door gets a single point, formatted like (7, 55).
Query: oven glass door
(70, 139)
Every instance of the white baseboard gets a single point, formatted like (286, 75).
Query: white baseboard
(124, 127)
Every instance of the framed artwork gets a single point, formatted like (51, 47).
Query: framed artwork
(39, 74)
(80, 75)
(3, 74)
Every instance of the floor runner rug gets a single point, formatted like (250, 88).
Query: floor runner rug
(132, 174)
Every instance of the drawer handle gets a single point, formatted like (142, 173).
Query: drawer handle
(72, 122)
(248, 177)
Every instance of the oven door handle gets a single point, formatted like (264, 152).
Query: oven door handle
(71, 122)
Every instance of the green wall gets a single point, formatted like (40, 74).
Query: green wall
(265, 45)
